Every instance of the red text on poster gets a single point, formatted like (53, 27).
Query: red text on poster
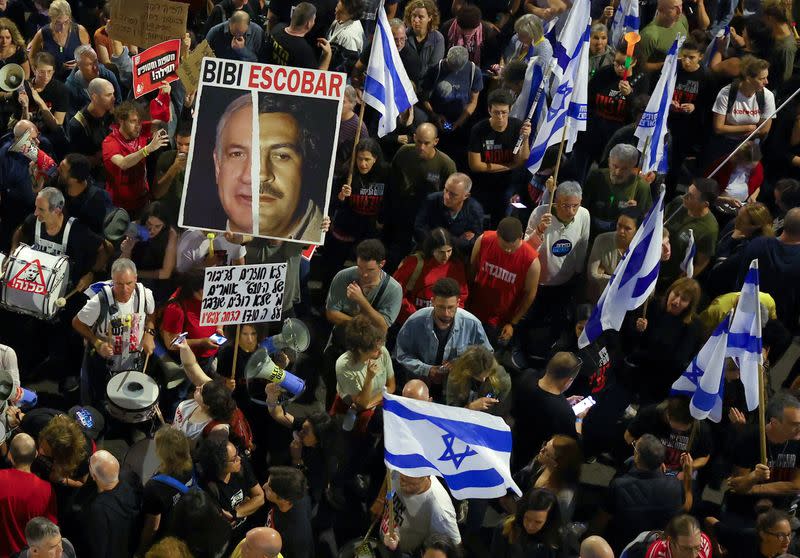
(29, 279)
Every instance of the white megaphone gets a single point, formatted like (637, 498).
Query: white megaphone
(12, 76)
(45, 165)
(260, 366)
(294, 335)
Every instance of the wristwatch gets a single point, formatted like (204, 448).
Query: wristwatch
(150, 330)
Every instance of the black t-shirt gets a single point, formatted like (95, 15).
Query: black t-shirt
(288, 50)
(110, 525)
(325, 15)
(236, 490)
(740, 543)
(651, 420)
(159, 498)
(538, 416)
(495, 147)
(695, 88)
(88, 207)
(782, 460)
(82, 244)
(295, 528)
(606, 102)
(442, 335)
(56, 96)
(88, 140)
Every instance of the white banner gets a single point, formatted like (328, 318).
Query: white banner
(243, 294)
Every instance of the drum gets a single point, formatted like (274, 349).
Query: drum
(132, 397)
(32, 281)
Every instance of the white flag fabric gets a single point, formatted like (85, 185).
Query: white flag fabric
(633, 280)
(687, 265)
(653, 123)
(470, 450)
(387, 88)
(744, 341)
(571, 73)
(704, 378)
(626, 18)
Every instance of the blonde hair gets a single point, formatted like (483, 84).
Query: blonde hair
(59, 8)
(172, 449)
(475, 360)
(750, 66)
(169, 547)
(430, 7)
(66, 442)
(759, 219)
(16, 37)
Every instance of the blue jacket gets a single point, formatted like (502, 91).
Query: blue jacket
(219, 39)
(79, 97)
(434, 214)
(417, 343)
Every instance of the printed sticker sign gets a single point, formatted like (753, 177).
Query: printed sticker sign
(154, 66)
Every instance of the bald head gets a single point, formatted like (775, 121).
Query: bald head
(23, 126)
(104, 468)
(261, 541)
(427, 131)
(791, 224)
(417, 389)
(595, 547)
(22, 450)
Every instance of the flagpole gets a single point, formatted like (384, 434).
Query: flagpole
(355, 142)
(762, 419)
(390, 500)
(753, 133)
(558, 166)
(536, 98)
(235, 351)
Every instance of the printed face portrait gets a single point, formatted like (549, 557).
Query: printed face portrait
(281, 173)
(232, 169)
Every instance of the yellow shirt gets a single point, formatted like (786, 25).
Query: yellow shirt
(237, 552)
(720, 306)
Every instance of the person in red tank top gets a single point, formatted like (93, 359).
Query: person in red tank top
(505, 277)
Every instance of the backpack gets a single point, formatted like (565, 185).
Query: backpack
(760, 99)
(639, 546)
(240, 432)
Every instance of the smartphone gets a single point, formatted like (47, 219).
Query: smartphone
(447, 126)
(180, 338)
(583, 405)
(218, 339)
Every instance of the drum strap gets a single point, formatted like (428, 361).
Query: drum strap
(52, 248)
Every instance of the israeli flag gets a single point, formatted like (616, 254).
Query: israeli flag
(532, 91)
(387, 88)
(712, 47)
(571, 71)
(626, 18)
(744, 342)
(633, 280)
(687, 265)
(704, 379)
(95, 288)
(470, 450)
(653, 123)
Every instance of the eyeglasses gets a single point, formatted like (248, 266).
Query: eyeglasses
(692, 549)
(569, 205)
(781, 536)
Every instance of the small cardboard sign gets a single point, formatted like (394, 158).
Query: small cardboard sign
(145, 23)
(189, 70)
(243, 294)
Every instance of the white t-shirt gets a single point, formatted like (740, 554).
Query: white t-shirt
(349, 35)
(193, 250)
(737, 187)
(183, 413)
(422, 515)
(745, 109)
(562, 253)
(127, 319)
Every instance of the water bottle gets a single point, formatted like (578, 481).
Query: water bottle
(349, 420)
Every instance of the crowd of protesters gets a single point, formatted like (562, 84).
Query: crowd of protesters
(449, 273)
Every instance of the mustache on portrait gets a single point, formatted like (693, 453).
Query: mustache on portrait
(266, 189)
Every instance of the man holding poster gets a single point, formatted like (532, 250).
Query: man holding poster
(290, 174)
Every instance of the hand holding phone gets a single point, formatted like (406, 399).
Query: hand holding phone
(179, 339)
(218, 339)
(583, 405)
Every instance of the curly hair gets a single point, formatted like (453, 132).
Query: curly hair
(361, 336)
(172, 449)
(430, 7)
(66, 441)
(212, 455)
(16, 37)
(217, 397)
(169, 547)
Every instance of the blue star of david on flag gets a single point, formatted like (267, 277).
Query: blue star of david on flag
(450, 453)
(562, 93)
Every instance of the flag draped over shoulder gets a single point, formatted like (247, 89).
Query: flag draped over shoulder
(571, 73)
(653, 123)
(387, 88)
(633, 280)
(687, 265)
(744, 341)
(704, 378)
(470, 450)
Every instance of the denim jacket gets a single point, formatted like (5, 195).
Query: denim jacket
(417, 343)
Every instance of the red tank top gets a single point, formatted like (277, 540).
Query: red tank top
(499, 281)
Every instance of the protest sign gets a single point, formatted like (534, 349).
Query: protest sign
(145, 23)
(189, 70)
(263, 148)
(243, 294)
(154, 66)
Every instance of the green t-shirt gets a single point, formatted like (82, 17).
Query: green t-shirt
(605, 200)
(705, 230)
(656, 40)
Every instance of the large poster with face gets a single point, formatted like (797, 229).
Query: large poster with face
(262, 152)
